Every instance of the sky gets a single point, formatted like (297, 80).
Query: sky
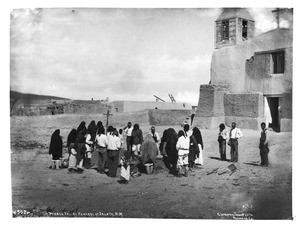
(123, 54)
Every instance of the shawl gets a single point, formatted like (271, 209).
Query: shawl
(149, 150)
(56, 144)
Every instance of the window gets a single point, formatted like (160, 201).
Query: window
(277, 62)
(225, 30)
(244, 29)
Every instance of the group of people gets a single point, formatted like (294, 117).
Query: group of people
(95, 147)
(233, 136)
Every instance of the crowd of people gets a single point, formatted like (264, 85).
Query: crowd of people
(105, 150)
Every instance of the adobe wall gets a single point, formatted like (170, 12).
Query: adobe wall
(133, 106)
(210, 111)
(260, 78)
(34, 107)
(286, 112)
(229, 63)
(244, 109)
(168, 117)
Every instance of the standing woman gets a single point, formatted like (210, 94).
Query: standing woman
(149, 150)
(198, 137)
(137, 139)
(81, 127)
(80, 149)
(168, 149)
(92, 128)
(222, 141)
(193, 150)
(72, 153)
(114, 145)
(95, 155)
(55, 149)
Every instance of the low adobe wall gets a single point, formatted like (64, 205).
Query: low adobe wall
(244, 109)
(168, 117)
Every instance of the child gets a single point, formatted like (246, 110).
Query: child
(125, 171)
(182, 146)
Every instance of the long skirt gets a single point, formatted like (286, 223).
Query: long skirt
(72, 159)
(199, 158)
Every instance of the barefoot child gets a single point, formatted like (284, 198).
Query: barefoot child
(125, 170)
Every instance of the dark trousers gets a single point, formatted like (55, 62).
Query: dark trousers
(112, 161)
(222, 150)
(264, 151)
(129, 144)
(102, 159)
(234, 152)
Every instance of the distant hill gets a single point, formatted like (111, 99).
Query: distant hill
(14, 95)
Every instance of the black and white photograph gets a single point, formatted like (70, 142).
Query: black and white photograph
(151, 112)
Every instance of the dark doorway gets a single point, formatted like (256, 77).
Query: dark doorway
(274, 104)
(245, 29)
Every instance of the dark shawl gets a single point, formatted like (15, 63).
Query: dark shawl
(81, 127)
(137, 136)
(149, 150)
(56, 144)
(80, 145)
(71, 137)
(92, 130)
(170, 139)
(198, 136)
(193, 149)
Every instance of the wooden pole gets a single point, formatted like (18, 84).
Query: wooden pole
(107, 118)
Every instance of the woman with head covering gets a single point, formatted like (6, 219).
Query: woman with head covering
(80, 148)
(55, 149)
(92, 129)
(99, 124)
(149, 150)
(137, 139)
(95, 155)
(198, 138)
(72, 153)
(81, 127)
(168, 149)
(193, 151)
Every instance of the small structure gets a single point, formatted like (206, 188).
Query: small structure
(249, 74)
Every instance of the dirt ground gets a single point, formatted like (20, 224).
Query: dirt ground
(252, 192)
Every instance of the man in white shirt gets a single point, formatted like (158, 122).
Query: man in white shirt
(235, 134)
(128, 131)
(101, 148)
(156, 138)
(113, 147)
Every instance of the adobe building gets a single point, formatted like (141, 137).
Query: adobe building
(250, 75)
(134, 106)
